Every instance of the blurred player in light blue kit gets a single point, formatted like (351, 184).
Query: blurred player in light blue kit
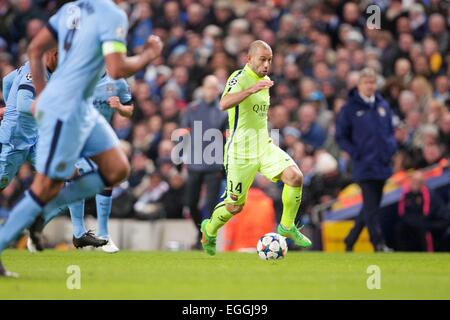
(88, 34)
(109, 96)
(18, 130)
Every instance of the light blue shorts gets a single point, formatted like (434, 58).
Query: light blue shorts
(12, 159)
(62, 143)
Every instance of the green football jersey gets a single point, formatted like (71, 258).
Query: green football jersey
(249, 136)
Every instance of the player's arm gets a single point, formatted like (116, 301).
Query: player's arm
(232, 99)
(125, 110)
(121, 66)
(42, 42)
(7, 83)
(25, 98)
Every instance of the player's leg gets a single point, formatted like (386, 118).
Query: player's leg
(10, 162)
(240, 177)
(76, 209)
(114, 166)
(59, 147)
(101, 146)
(104, 203)
(20, 217)
(278, 165)
(81, 236)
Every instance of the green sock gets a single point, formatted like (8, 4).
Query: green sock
(291, 197)
(219, 217)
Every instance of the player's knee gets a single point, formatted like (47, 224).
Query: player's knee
(295, 178)
(46, 189)
(121, 172)
(234, 209)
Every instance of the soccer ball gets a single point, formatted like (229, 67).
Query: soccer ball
(272, 246)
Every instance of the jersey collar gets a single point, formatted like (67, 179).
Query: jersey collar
(251, 72)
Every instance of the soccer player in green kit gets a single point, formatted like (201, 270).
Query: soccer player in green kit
(249, 150)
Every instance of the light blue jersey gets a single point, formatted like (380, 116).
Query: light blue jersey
(18, 130)
(81, 28)
(69, 126)
(7, 83)
(107, 88)
(18, 126)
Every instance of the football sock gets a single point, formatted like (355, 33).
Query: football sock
(219, 217)
(21, 217)
(83, 187)
(104, 202)
(291, 198)
(77, 216)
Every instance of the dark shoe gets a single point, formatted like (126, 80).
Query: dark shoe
(88, 239)
(348, 246)
(6, 273)
(35, 234)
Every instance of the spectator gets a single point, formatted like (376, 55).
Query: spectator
(438, 30)
(148, 205)
(444, 133)
(203, 115)
(442, 92)
(311, 132)
(140, 25)
(420, 212)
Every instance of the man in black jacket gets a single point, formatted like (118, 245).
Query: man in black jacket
(364, 129)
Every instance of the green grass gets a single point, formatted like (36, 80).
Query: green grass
(193, 275)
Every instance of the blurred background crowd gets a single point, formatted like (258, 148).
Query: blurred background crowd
(319, 47)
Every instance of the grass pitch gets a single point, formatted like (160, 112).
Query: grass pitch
(193, 275)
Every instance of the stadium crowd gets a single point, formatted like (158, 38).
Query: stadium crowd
(319, 47)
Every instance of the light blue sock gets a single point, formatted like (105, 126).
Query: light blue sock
(21, 217)
(81, 188)
(103, 211)
(77, 216)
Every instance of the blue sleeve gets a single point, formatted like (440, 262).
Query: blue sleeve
(25, 97)
(7, 83)
(114, 27)
(125, 96)
(344, 131)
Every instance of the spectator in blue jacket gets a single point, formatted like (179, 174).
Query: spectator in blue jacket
(364, 129)
(311, 132)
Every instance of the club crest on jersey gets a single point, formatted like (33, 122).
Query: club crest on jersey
(381, 111)
(61, 166)
(28, 76)
(232, 82)
(121, 33)
(110, 88)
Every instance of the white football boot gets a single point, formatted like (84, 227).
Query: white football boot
(30, 246)
(110, 247)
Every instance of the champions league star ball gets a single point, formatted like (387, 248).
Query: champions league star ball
(272, 246)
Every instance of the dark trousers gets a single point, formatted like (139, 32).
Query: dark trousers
(372, 193)
(410, 238)
(194, 184)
